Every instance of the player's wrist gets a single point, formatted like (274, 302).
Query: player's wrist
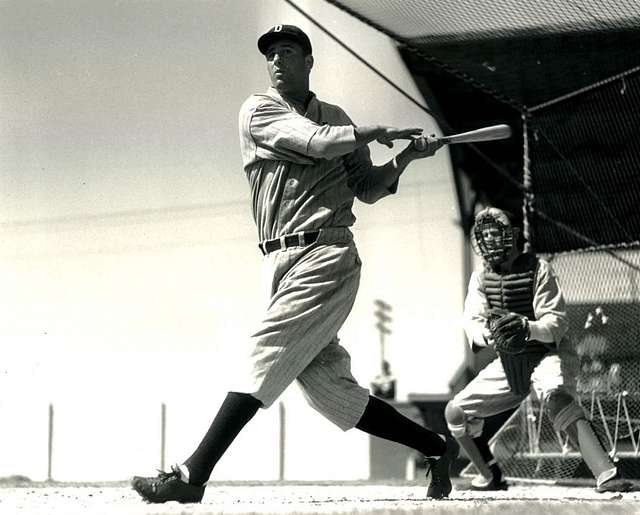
(486, 338)
(404, 157)
(365, 134)
(527, 328)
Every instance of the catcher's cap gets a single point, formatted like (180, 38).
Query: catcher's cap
(284, 32)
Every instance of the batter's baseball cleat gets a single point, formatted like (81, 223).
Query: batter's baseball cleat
(438, 471)
(611, 481)
(167, 486)
(481, 484)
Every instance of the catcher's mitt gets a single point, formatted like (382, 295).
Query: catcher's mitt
(510, 332)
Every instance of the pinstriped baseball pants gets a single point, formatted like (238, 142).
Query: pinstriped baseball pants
(312, 291)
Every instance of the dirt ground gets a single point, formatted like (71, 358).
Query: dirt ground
(290, 498)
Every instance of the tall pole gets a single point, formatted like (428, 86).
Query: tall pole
(283, 434)
(163, 433)
(50, 445)
(382, 313)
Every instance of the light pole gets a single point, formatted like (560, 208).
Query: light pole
(382, 313)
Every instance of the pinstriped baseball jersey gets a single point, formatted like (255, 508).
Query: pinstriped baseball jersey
(296, 184)
(304, 170)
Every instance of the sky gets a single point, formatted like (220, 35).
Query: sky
(129, 268)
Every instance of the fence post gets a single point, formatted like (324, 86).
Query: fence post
(50, 444)
(163, 433)
(281, 456)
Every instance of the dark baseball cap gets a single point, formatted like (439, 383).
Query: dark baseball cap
(284, 32)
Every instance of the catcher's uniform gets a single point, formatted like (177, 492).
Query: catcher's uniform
(302, 199)
(529, 289)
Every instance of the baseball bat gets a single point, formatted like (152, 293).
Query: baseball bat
(491, 133)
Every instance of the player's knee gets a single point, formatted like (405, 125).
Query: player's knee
(456, 419)
(454, 414)
(557, 400)
(562, 409)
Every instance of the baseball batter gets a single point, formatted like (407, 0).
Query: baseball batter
(515, 305)
(305, 162)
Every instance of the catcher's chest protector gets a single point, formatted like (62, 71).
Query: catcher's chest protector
(512, 291)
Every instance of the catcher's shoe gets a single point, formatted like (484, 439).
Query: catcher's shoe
(481, 484)
(438, 471)
(611, 481)
(167, 486)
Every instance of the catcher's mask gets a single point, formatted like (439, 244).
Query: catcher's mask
(493, 235)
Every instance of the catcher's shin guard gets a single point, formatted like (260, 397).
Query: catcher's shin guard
(567, 416)
(456, 421)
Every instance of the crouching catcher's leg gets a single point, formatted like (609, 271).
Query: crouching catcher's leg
(476, 449)
(568, 417)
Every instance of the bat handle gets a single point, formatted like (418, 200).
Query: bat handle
(420, 144)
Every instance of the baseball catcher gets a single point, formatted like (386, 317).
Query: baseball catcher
(515, 305)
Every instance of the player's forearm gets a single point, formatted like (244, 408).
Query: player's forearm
(367, 133)
(548, 329)
(477, 332)
(475, 313)
(390, 172)
(332, 141)
(383, 179)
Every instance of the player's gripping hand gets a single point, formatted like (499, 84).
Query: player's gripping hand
(425, 146)
(510, 332)
(387, 135)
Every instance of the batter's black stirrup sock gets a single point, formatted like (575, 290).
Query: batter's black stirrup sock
(236, 410)
(384, 421)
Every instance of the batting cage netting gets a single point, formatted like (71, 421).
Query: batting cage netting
(566, 76)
